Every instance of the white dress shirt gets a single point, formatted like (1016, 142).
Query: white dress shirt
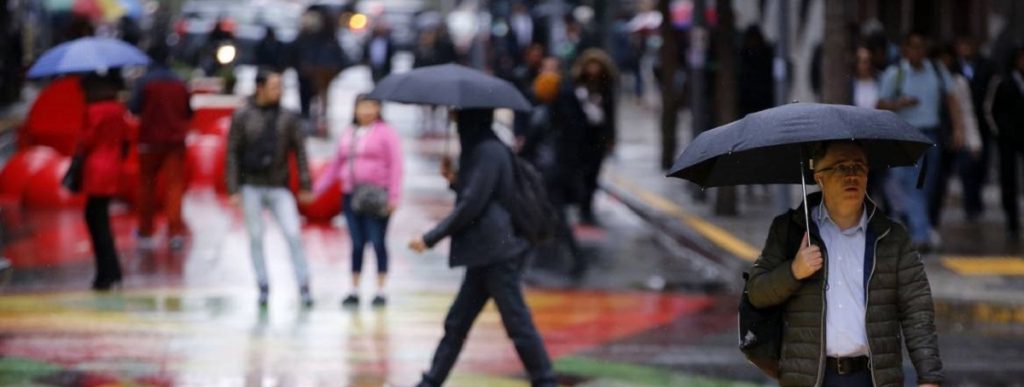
(845, 312)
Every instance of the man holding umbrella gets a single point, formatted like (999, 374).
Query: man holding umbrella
(852, 290)
(838, 283)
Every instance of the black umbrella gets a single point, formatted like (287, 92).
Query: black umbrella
(450, 85)
(770, 147)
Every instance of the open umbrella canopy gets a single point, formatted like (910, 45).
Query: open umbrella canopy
(89, 54)
(450, 85)
(769, 147)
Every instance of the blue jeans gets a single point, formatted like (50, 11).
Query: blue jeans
(364, 228)
(282, 205)
(909, 201)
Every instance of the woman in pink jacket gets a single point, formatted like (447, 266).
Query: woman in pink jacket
(369, 156)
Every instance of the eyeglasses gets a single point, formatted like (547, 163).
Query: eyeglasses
(851, 169)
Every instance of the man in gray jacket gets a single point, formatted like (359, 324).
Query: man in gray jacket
(261, 138)
(854, 294)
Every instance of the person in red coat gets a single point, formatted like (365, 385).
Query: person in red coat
(102, 146)
(161, 100)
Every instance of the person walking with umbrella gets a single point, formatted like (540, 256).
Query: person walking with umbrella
(838, 283)
(485, 242)
(486, 226)
(852, 287)
(96, 168)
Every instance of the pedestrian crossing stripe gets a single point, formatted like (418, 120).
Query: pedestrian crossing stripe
(985, 265)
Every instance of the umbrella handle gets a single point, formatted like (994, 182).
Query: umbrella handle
(803, 186)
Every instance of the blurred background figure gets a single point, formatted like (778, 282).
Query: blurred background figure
(318, 59)
(271, 52)
(979, 72)
(102, 148)
(1006, 108)
(757, 84)
(368, 159)
(261, 138)
(162, 102)
(379, 52)
(595, 79)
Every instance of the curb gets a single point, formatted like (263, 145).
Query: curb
(727, 265)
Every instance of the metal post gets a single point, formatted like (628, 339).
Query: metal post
(781, 72)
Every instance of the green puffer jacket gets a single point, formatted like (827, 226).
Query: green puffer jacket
(899, 300)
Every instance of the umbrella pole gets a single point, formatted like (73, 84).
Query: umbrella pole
(803, 186)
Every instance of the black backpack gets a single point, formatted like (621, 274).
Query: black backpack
(760, 330)
(533, 216)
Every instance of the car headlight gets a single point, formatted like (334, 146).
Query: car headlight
(226, 54)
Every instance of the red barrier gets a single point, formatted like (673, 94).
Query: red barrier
(326, 205)
(44, 189)
(22, 166)
(204, 163)
(56, 117)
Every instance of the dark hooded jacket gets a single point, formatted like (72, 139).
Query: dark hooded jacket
(899, 303)
(480, 226)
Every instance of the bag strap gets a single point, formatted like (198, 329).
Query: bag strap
(352, 153)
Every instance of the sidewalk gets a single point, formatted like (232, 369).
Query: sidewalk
(976, 277)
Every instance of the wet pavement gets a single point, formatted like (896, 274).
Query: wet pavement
(656, 307)
(976, 276)
(190, 318)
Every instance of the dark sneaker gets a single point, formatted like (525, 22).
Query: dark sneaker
(351, 301)
(264, 296)
(306, 298)
(380, 301)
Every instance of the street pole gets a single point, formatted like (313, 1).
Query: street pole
(781, 73)
(669, 94)
(697, 58)
(836, 56)
(726, 109)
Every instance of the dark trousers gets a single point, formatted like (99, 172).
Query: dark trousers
(170, 160)
(1010, 154)
(97, 219)
(857, 379)
(974, 174)
(590, 172)
(501, 282)
(364, 228)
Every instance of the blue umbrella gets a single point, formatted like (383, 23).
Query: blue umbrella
(84, 55)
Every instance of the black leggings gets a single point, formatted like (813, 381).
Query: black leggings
(97, 219)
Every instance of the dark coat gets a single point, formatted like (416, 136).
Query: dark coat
(1008, 110)
(103, 147)
(480, 226)
(247, 125)
(899, 303)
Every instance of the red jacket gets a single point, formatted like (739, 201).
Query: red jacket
(103, 143)
(161, 101)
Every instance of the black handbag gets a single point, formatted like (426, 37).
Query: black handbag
(73, 177)
(367, 199)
